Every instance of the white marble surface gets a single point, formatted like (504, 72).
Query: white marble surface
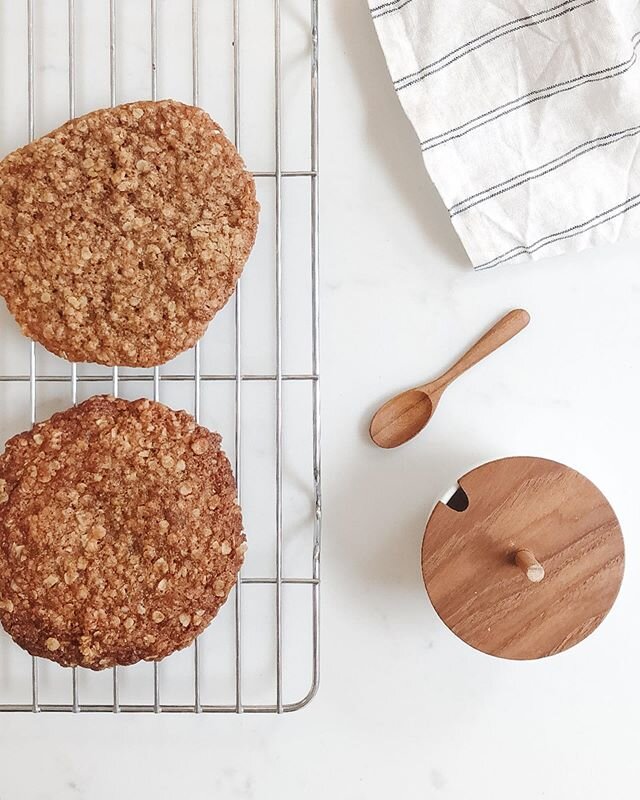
(404, 709)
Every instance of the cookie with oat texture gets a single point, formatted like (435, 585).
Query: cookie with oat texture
(120, 533)
(123, 232)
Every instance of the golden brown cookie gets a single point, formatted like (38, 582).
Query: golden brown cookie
(123, 232)
(120, 534)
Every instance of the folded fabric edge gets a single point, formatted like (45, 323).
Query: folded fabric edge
(608, 227)
(620, 222)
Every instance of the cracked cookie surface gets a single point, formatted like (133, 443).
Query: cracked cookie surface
(123, 232)
(120, 533)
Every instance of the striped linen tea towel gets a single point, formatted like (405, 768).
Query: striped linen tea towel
(528, 116)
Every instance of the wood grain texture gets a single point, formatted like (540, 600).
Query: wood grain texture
(502, 332)
(469, 558)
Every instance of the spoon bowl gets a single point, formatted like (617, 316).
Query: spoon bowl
(406, 414)
(401, 418)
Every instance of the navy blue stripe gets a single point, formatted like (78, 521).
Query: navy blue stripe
(543, 94)
(481, 41)
(385, 5)
(389, 10)
(568, 233)
(532, 174)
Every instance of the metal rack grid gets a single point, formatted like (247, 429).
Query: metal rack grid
(197, 378)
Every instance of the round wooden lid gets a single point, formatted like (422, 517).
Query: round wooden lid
(525, 560)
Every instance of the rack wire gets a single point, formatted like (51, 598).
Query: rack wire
(276, 379)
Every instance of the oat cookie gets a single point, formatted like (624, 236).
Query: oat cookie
(123, 232)
(120, 534)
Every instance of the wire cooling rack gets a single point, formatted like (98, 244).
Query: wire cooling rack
(261, 654)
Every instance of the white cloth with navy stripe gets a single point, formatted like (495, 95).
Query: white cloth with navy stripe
(528, 116)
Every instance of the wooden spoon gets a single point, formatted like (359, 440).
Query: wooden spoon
(406, 414)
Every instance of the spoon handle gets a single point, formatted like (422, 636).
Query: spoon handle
(504, 330)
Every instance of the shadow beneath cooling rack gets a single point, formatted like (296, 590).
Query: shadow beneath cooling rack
(390, 133)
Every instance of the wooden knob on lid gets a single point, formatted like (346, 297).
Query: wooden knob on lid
(525, 560)
(530, 565)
